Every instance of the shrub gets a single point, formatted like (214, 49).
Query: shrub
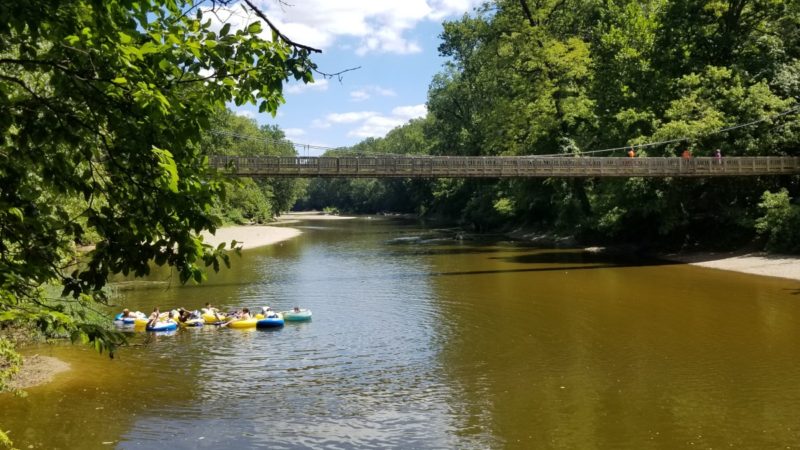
(780, 222)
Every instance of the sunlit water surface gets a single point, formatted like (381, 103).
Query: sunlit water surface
(424, 342)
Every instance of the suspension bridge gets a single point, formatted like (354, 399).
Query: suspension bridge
(391, 166)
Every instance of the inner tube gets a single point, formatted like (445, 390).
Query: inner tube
(119, 320)
(163, 326)
(249, 323)
(269, 322)
(211, 318)
(193, 323)
(297, 316)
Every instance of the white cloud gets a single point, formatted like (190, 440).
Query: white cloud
(378, 25)
(376, 126)
(410, 112)
(350, 117)
(320, 123)
(245, 113)
(371, 123)
(359, 95)
(367, 92)
(299, 88)
(292, 133)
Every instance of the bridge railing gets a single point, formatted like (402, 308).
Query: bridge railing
(501, 167)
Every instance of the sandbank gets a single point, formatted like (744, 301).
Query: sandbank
(37, 370)
(250, 236)
(310, 215)
(781, 266)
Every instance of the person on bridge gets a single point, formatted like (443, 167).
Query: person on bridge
(631, 153)
(718, 156)
(687, 154)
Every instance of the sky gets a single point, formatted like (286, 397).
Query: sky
(394, 42)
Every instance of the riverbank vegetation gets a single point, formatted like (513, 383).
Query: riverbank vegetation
(250, 200)
(573, 77)
(109, 111)
(103, 108)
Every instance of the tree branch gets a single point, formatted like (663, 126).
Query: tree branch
(338, 75)
(527, 12)
(275, 30)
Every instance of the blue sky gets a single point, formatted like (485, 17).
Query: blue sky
(394, 42)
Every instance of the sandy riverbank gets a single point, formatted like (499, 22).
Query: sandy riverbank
(38, 370)
(251, 236)
(781, 266)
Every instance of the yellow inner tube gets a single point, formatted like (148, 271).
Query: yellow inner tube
(189, 322)
(249, 323)
(211, 318)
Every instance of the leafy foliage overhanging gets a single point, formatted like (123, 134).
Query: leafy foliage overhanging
(103, 105)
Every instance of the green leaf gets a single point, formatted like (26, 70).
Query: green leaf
(225, 29)
(254, 28)
(119, 80)
(167, 163)
(16, 212)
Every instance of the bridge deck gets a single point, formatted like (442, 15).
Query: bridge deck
(502, 166)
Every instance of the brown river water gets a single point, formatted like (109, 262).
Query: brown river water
(424, 342)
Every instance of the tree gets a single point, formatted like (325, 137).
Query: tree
(570, 76)
(375, 195)
(248, 199)
(102, 107)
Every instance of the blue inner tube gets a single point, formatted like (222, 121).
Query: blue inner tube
(163, 326)
(270, 322)
(124, 320)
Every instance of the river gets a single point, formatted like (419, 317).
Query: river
(420, 341)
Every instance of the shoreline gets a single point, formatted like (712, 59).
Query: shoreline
(252, 236)
(37, 370)
(754, 263)
(741, 261)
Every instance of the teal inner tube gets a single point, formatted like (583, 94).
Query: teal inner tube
(297, 316)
